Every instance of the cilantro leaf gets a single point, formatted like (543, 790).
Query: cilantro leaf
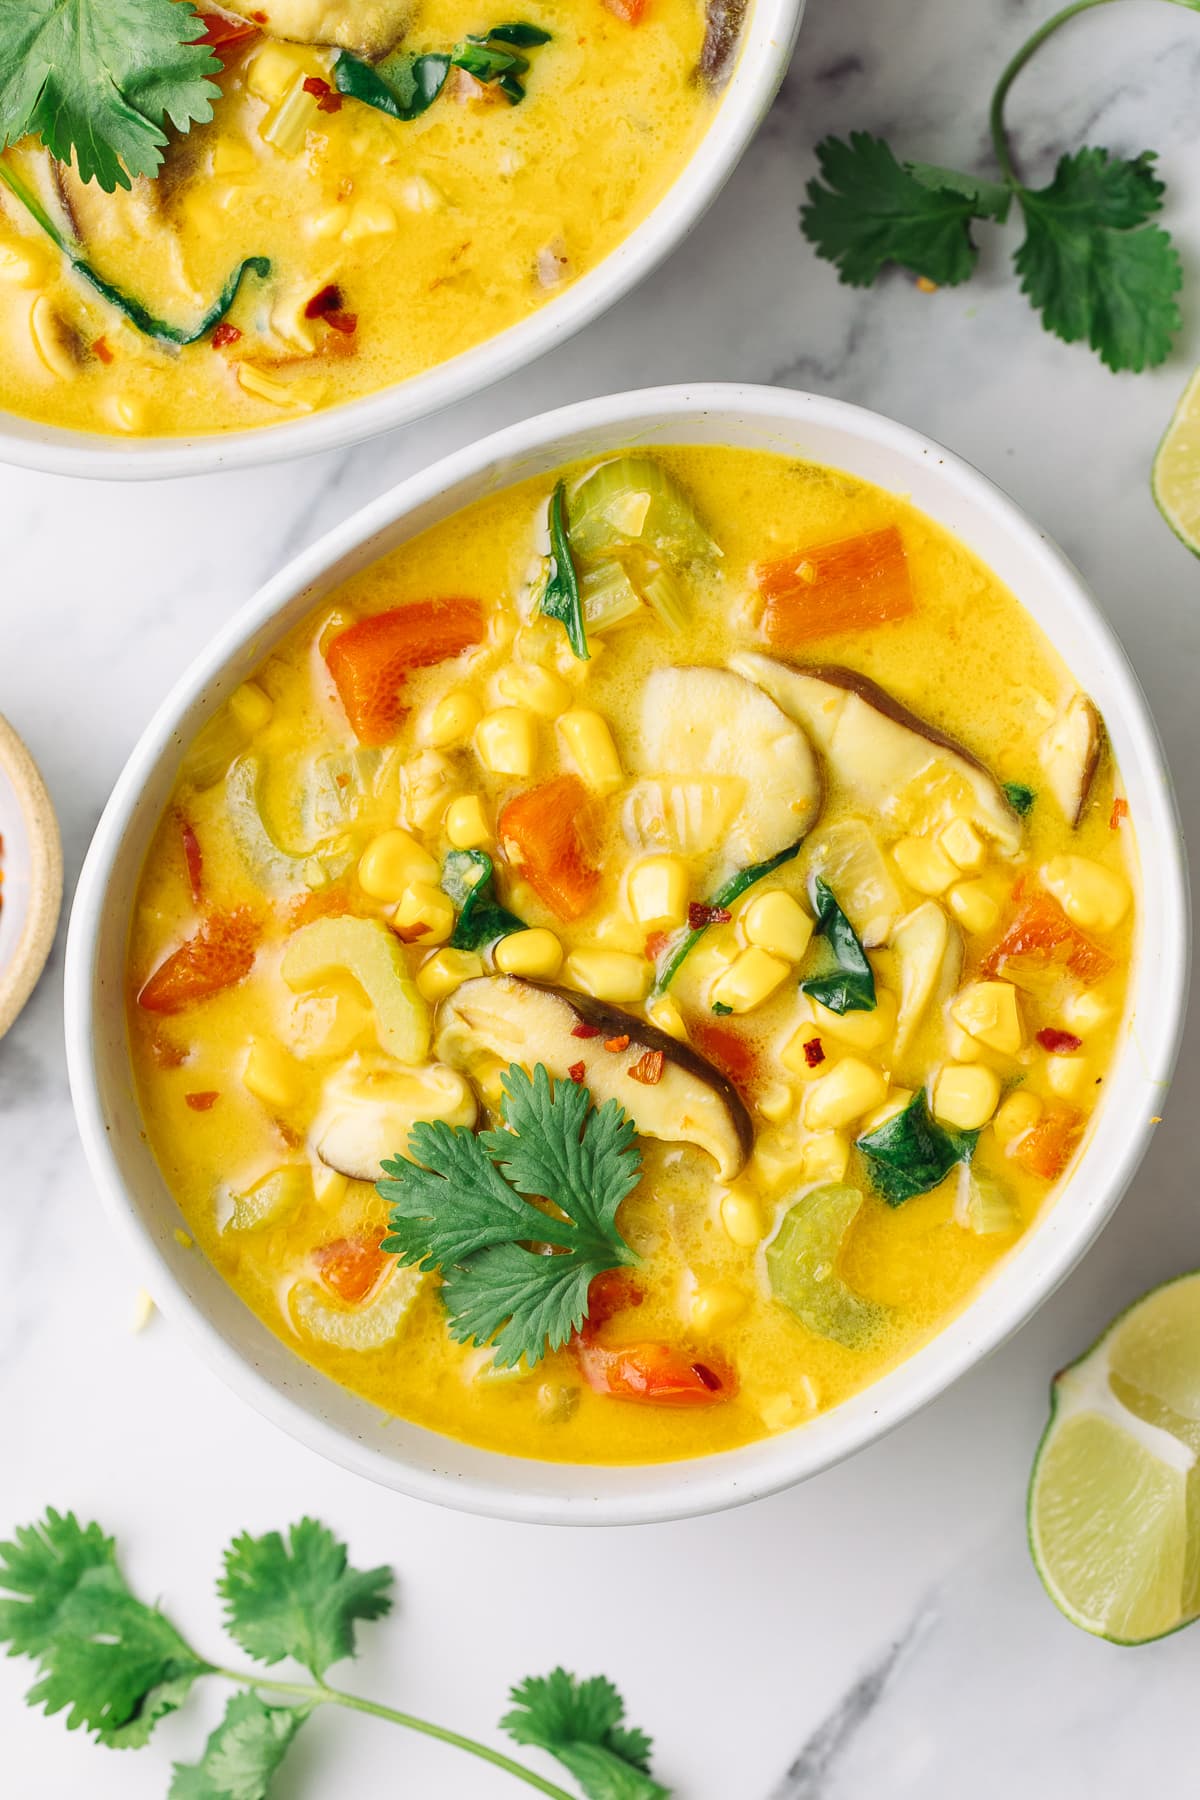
(872, 210)
(561, 598)
(1019, 797)
(98, 79)
(469, 878)
(117, 1663)
(299, 1597)
(242, 1754)
(458, 1206)
(850, 987)
(580, 1723)
(1092, 265)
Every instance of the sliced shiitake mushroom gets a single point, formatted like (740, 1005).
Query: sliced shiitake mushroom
(370, 1105)
(675, 1095)
(876, 748)
(929, 951)
(369, 26)
(699, 723)
(1070, 755)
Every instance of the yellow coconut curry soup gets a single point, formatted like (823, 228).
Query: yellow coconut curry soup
(625, 970)
(379, 186)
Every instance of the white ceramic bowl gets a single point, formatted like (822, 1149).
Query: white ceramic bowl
(768, 38)
(254, 1362)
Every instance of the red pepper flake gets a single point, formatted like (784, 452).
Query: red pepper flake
(1120, 810)
(656, 943)
(203, 1102)
(103, 349)
(584, 1030)
(1058, 1043)
(346, 323)
(224, 336)
(705, 1375)
(648, 1069)
(326, 98)
(577, 1071)
(411, 933)
(326, 300)
(617, 1044)
(814, 1053)
(699, 916)
(193, 856)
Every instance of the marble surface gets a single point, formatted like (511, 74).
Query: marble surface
(881, 1630)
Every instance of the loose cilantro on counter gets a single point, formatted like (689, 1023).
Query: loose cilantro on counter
(464, 1205)
(1091, 262)
(116, 1665)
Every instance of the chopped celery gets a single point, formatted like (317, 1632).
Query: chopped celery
(366, 1327)
(609, 597)
(910, 1153)
(632, 501)
(366, 950)
(266, 859)
(801, 1266)
(985, 1206)
(662, 590)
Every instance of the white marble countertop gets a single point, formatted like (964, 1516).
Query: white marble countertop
(881, 1630)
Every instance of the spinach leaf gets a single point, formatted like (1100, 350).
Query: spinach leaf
(725, 896)
(851, 986)
(468, 876)
(561, 598)
(404, 87)
(910, 1153)
(1019, 797)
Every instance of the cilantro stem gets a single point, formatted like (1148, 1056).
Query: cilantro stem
(318, 1694)
(1000, 140)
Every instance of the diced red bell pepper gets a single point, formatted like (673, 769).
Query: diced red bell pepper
(612, 1292)
(852, 585)
(630, 12)
(369, 660)
(223, 33)
(654, 1374)
(203, 1101)
(351, 1267)
(217, 956)
(542, 837)
(1048, 1146)
(728, 1049)
(1041, 937)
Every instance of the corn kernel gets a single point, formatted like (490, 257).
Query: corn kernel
(664, 1013)
(250, 707)
(270, 72)
(615, 932)
(392, 862)
(506, 741)
(425, 914)
(609, 975)
(859, 1030)
(961, 1046)
(923, 865)
(454, 718)
(742, 1217)
(446, 970)
(536, 953)
(965, 1095)
(126, 412)
(793, 1057)
(273, 1076)
(779, 924)
(963, 845)
(329, 223)
(231, 156)
(895, 1103)
(369, 218)
(286, 126)
(826, 1157)
(592, 750)
(541, 690)
(750, 979)
(988, 1011)
(1069, 1077)
(850, 1089)
(779, 1412)
(973, 906)
(657, 891)
(1018, 1113)
(716, 1306)
(1093, 897)
(779, 1157)
(1087, 1009)
(776, 1102)
(466, 824)
(419, 195)
(330, 1186)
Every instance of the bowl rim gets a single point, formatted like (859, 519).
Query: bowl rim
(706, 1484)
(770, 32)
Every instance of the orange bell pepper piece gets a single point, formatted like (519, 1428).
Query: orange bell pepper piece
(223, 33)
(1042, 937)
(852, 585)
(217, 956)
(540, 832)
(630, 12)
(654, 1374)
(1047, 1147)
(369, 660)
(351, 1267)
(728, 1049)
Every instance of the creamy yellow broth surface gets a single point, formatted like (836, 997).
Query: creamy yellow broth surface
(1000, 944)
(433, 233)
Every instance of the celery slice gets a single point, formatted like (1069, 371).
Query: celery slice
(633, 501)
(609, 597)
(801, 1265)
(366, 950)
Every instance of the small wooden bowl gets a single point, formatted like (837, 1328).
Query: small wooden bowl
(31, 893)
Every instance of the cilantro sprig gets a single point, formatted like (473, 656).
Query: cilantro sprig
(466, 1205)
(1091, 262)
(116, 1665)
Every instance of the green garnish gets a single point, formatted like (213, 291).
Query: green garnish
(1090, 262)
(98, 80)
(561, 597)
(463, 1205)
(468, 876)
(850, 987)
(722, 1011)
(725, 896)
(405, 86)
(910, 1153)
(802, 1267)
(1019, 797)
(117, 1665)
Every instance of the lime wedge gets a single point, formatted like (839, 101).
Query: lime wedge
(1175, 478)
(1114, 1500)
